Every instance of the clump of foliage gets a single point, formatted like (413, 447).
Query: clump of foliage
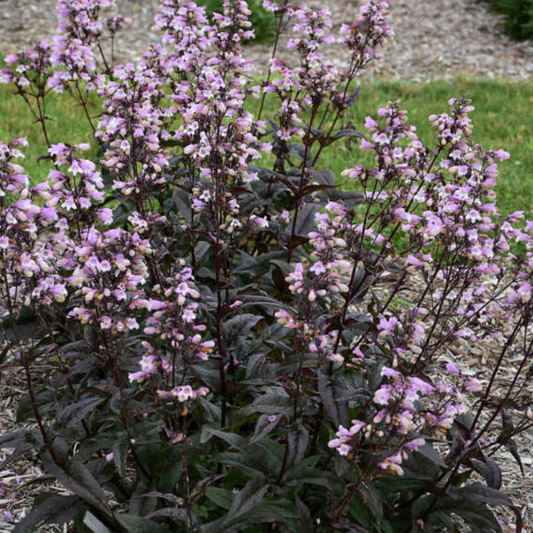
(263, 21)
(518, 17)
(212, 342)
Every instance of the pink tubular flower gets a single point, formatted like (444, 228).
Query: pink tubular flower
(387, 326)
(383, 395)
(450, 367)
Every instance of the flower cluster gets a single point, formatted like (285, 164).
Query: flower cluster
(368, 32)
(407, 410)
(443, 201)
(315, 77)
(17, 225)
(187, 31)
(28, 68)
(105, 271)
(132, 128)
(79, 33)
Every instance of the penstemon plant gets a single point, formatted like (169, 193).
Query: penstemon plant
(214, 335)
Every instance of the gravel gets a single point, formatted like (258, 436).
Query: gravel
(434, 38)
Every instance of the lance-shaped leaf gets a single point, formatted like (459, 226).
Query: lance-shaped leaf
(347, 133)
(219, 496)
(479, 493)
(24, 327)
(298, 441)
(138, 524)
(82, 367)
(238, 328)
(272, 403)
(77, 478)
(510, 444)
(470, 503)
(265, 425)
(332, 391)
(305, 516)
(325, 177)
(179, 516)
(234, 440)
(52, 509)
(305, 221)
(76, 412)
(182, 201)
(247, 498)
(352, 98)
(489, 470)
(301, 152)
(23, 442)
(120, 454)
(373, 500)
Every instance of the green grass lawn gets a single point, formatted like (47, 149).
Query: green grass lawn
(503, 119)
(67, 124)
